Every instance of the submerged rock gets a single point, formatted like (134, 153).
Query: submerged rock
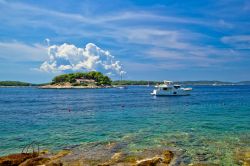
(116, 154)
(150, 161)
(202, 156)
(243, 157)
(163, 159)
(102, 154)
(203, 164)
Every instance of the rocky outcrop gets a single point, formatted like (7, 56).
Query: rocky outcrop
(33, 159)
(101, 154)
(46, 159)
(16, 159)
(163, 159)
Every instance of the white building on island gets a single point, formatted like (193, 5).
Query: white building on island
(86, 81)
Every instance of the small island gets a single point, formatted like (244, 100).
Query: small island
(91, 79)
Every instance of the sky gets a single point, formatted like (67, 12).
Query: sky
(140, 39)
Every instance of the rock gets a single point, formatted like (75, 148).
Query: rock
(203, 164)
(167, 156)
(60, 154)
(45, 151)
(150, 161)
(246, 162)
(243, 158)
(48, 160)
(116, 156)
(131, 159)
(114, 159)
(16, 159)
(35, 161)
(164, 159)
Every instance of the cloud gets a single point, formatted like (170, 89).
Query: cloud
(222, 23)
(16, 51)
(238, 41)
(31, 16)
(163, 38)
(194, 56)
(68, 57)
(156, 37)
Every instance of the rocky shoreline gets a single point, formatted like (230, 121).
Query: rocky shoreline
(72, 87)
(95, 154)
(110, 154)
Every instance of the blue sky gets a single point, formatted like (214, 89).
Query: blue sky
(153, 40)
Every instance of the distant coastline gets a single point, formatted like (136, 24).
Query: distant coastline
(12, 84)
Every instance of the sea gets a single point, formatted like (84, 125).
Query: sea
(210, 125)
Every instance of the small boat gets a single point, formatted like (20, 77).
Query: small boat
(215, 84)
(122, 87)
(168, 88)
(148, 84)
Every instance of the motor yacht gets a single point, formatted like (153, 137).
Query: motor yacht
(168, 88)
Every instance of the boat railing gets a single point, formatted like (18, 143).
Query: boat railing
(168, 82)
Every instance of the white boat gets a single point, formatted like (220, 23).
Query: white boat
(168, 88)
(122, 87)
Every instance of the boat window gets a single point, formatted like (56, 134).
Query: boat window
(164, 88)
(177, 86)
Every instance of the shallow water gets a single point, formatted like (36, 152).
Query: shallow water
(209, 125)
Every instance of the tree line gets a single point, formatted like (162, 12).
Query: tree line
(99, 78)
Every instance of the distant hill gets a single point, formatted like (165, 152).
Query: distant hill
(131, 82)
(14, 83)
(205, 82)
(202, 82)
(243, 83)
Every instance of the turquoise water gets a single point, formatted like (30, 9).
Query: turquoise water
(209, 125)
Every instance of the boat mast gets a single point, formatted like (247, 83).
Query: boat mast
(121, 74)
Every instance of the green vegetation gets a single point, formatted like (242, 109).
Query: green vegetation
(98, 77)
(14, 83)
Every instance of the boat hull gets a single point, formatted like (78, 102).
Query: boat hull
(171, 93)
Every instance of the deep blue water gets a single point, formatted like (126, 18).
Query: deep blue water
(213, 119)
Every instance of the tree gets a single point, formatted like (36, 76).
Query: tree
(97, 76)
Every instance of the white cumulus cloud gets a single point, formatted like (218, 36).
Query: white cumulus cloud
(68, 57)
